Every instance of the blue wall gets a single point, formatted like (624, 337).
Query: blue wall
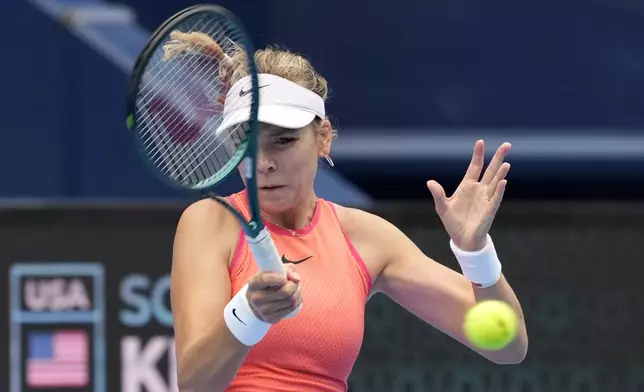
(547, 63)
(63, 117)
(533, 63)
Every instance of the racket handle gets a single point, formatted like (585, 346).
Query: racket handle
(267, 257)
(265, 252)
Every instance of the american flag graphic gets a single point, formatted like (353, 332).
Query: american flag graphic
(57, 359)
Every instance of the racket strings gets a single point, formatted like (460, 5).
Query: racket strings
(162, 138)
(172, 147)
(179, 107)
(165, 142)
(166, 84)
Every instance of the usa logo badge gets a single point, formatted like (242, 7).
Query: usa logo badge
(57, 327)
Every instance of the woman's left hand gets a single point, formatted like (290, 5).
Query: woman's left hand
(468, 214)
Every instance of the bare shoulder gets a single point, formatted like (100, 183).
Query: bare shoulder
(206, 224)
(359, 223)
(203, 211)
(373, 236)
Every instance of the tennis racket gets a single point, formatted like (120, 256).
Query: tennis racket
(175, 108)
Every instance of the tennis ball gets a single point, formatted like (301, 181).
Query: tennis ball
(491, 325)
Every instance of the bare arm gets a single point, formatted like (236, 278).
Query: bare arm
(431, 291)
(208, 355)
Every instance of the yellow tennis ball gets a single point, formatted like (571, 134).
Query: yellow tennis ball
(491, 325)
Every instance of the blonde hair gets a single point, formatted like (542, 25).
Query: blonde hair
(271, 60)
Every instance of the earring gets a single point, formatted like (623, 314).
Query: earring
(329, 160)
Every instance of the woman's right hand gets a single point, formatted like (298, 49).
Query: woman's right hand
(273, 296)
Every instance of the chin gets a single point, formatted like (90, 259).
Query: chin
(275, 202)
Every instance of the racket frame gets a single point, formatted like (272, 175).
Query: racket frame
(248, 149)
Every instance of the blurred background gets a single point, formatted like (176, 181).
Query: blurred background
(86, 232)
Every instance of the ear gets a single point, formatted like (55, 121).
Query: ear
(325, 137)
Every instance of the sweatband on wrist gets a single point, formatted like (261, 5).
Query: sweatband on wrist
(241, 320)
(482, 267)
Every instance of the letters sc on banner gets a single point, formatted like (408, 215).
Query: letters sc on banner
(148, 362)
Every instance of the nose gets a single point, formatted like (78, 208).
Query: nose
(265, 164)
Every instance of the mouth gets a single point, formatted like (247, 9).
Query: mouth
(271, 187)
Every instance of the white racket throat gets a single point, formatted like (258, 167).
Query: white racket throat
(265, 252)
(267, 257)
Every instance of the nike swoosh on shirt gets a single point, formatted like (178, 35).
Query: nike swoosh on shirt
(287, 261)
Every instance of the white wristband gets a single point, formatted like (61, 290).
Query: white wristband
(241, 320)
(482, 267)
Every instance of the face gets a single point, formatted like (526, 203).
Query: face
(287, 163)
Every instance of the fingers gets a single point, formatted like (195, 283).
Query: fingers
(273, 296)
(495, 163)
(273, 293)
(266, 280)
(438, 193)
(272, 308)
(500, 175)
(277, 310)
(284, 312)
(496, 199)
(476, 164)
(291, 273)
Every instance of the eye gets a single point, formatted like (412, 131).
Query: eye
(283, 141)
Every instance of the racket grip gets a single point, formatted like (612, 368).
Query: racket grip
(265, 252)
(267, 257)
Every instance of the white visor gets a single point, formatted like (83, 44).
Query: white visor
(281, 103)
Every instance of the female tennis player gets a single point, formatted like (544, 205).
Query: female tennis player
(336, 257)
